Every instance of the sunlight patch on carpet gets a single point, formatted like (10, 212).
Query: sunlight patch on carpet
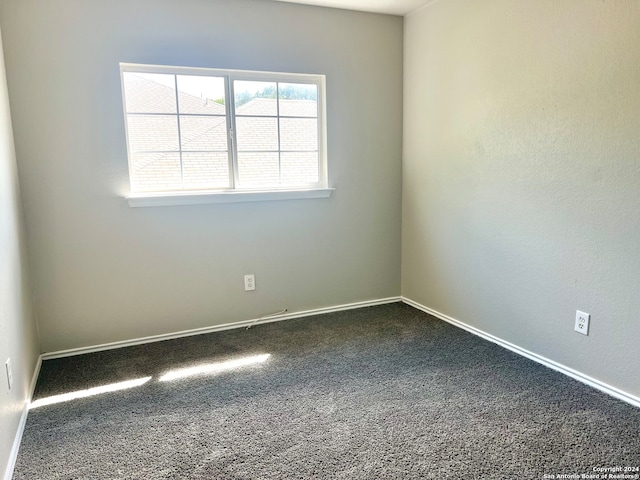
(89, 392)
(211, 368)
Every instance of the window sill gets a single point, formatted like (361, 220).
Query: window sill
(200, 198)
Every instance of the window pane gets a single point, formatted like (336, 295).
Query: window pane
(155, 172)
(199, 94)
(203, 133)
(298, 168)
(178, 121)
(152, 133)
(298, 99)
(149, 92)
(258, 169)
(255, 98)
(298, 134)
(256, 133)
(205, 170)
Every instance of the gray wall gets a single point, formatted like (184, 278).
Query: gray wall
(18, 339)
(521, 193)
(104, 271)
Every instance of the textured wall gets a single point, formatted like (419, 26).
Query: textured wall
(106, 272)
(18, 339)
(521, 199)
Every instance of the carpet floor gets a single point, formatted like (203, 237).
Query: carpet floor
(381, 392)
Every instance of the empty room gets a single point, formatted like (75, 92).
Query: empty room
(350, 239)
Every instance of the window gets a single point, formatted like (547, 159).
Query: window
(207, 131)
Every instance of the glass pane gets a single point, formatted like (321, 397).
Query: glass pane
(203, 133)
(298, 99)
(258, 169)
(298, 168)
(155, 172)
(149, 92)
(205, 170)
(255, 98)
(152, 133)
(199, 94)
(298, 134)
(256, 133)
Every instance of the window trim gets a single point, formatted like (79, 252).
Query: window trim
(201, 197)
(234, 193)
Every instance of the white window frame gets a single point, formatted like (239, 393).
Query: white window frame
(235, 193)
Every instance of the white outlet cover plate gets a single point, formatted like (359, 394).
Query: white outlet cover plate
(582, 322)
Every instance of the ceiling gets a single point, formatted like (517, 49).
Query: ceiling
(391, 7)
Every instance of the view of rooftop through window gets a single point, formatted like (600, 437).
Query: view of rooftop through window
(187, 132)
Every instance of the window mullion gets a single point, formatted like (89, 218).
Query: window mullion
(231, 129)
(175, 80)
(279, 147)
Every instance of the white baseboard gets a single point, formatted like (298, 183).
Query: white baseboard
(217, 328)
(581, 377)
(13, 456)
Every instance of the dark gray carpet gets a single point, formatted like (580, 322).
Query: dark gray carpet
(380, 392)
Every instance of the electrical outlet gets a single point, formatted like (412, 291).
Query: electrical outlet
(249, 282)
(7, 366)
(582, 322)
